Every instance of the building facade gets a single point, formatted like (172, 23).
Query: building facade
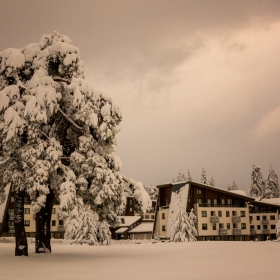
(221, 215)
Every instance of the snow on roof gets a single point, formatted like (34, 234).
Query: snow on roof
(128, 220)
(144, 227)
(271, 200)
(241, 192)
(121, 230)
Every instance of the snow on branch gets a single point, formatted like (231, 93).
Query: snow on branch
(69, 120)
(59, 79)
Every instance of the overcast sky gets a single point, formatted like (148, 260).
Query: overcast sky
(197, 81)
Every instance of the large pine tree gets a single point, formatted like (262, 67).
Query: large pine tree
(257, 182)
(58, 134)
(271, 184)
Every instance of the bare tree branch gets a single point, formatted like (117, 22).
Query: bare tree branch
(59, 79)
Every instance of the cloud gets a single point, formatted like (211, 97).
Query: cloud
(268, 126)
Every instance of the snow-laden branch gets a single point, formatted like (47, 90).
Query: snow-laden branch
(59, 79)
(69, 120)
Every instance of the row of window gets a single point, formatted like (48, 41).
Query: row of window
(221, 225)
(264, 227)
(27, 223)
(215, 201)
(271, 217)
(220, 213)
(27, 210)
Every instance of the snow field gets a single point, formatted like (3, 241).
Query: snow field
(146, 261)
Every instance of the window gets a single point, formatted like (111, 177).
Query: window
(26, 223)
(251, 218)
(258, 218)
(12, 199)
(228, 225)
(234, 213)
(130, 201)
(11, 223)
(264, 226)
(215, 201)
(199, 200)
(235, 225)
(11, 211)
(243, 225)
(130, 209)
(146, 216)
(221, 225)
(163, 228)
(52, 234)
(223, 201)
(53, 223)
(204, 226)
(198, 191)
(220, 213)
(58, 235)
(252, 227)
(60, 222)
(25, 199)
(258, 227)
(229, 201)
(272, 226)
(272, 217)
(203, 213)
(242, 213)
(227, 214)
(213, 213)
(53, 210)
(26, 210)
(264, 217)
(214, 226)
(153, 216)
(163, 216)
(209, 201)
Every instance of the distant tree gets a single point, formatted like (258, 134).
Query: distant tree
(257, 182)
(271, 184)
(203, 179)
(152, 191)
(180, 178)
(233, 186)
(184, 228)
(189, 177)
(212, 182)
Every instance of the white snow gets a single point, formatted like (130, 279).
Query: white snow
(241, 192)
(144, 227)
(121, 230)
(146, 261)
(128, 220)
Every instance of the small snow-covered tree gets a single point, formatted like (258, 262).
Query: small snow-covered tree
(152, 191)
(183, 228)
(203, 179)
(271, 184)
(189, 177)
(257, 182)
(212, 182)
(180, 178)
(233, 186)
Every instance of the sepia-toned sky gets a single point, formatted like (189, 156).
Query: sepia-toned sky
(198, 82)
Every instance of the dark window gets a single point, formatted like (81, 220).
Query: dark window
(252, 227)
(163, 228)
(243, 225)
(146, 216)
(203, 213)
(264, 226)
(234, 213)
(272, 226)
(264, 217)
(242, 213)
(26, 223)
(258, 218)
(163, 216)
(227, 213)
(272, 217)
(251, 218)
(26, 210)
(228, 225)
(60, 222)
(204, 226)
(53, 223)
(214, 226)
(258, 227)
(221, 225)
(53, 210)
(220, 213)
(213, 213)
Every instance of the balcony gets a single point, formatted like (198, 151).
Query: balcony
(164, 207)
(214, 219)
(265, 231)
(236, 231)
(223, 231)
(221, 205)
(236, 219)
(11, 229)
(265, 222)
(61, 228)
(253, 231)
(11, 216)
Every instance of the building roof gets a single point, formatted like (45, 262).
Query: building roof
(144, 227)
(121, 230)
(128, 220)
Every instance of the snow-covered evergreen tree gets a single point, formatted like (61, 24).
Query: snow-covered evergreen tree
(152, 191)
(203, 179)
(189, 177)
(257, 182)
(212, 182)
(271, 184)
(58, 134)
(233, 186)
(184, 228)
(181, 177)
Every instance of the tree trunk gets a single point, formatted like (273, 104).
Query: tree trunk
(21, 240)
(43, 226)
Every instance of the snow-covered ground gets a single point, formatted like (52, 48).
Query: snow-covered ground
(199, 260)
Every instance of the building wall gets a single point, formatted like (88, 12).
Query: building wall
(140, 235)
(162, 221)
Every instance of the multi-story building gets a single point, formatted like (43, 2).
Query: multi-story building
(221, 214)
